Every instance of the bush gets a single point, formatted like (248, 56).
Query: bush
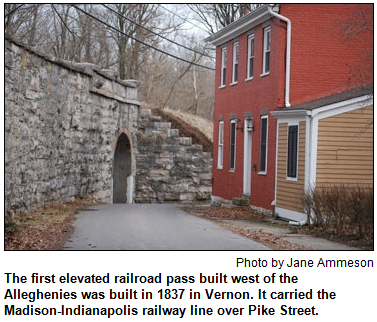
(342, 209)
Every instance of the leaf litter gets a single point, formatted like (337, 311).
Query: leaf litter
(221, 216)
(44, 229)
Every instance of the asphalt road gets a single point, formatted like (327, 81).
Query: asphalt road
(151, 227)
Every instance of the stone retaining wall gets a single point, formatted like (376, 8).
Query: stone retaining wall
(62, 124)
(169, 167)
(62, 121)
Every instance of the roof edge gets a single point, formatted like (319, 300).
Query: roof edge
(356, 95)
(241, 25)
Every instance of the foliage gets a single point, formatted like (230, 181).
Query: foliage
(341, 209)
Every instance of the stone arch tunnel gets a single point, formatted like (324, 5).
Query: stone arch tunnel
(122, 171)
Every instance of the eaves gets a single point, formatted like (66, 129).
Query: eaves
(242, 25)
(361, 94)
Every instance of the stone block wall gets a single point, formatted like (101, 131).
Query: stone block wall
(169, 167)
(62, 121)
(62, 124)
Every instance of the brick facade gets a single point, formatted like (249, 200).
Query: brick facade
(324, 60)
(331, 49)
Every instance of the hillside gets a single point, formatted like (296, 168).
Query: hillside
(199, 129)
(203, 124)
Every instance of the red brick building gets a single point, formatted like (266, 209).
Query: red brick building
(275, 58)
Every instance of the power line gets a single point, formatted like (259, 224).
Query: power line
(184, 19)
(9, 13)
(142, 42)
(156, 34)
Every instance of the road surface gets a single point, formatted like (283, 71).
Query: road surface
(151, 227)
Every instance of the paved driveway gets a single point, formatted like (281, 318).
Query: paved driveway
(150, 227)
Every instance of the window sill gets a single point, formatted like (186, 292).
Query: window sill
(291, 179)
(262, 173)
(265, 74)
(231, 170)
(219, 168)
(234, 83)
(249, 79)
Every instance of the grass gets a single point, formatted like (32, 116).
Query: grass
(185, 129)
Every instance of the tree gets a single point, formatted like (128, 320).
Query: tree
(110, 35)
(216, 16)
(23, 20)
(357, 32)
(128, 19)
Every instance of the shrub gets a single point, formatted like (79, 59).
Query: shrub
(342, 209)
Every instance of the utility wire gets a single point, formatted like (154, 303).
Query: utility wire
(9, 13)
(184, 19)
(62, 20)
(142, 42)
(156, 34)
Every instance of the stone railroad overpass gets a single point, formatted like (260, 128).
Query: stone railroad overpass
(73, 130)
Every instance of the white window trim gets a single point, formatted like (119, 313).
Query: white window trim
(264, 172)
(265, 32)
(223, 66)
(235, 61)
(248, 148)
(220, 156)
(249, 38)
(311, 119)
(235, 144)
(293, 123)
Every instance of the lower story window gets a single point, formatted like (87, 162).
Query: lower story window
(263, 145)
(233, 128)
(220, 150)
(292, 151)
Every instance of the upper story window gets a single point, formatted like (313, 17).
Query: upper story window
(220, 150)
(223, 66)
(266, 50)
(250, 56)
(292, 151)
(263, 145)
(235, 63)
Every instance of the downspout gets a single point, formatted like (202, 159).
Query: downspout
(288, 56)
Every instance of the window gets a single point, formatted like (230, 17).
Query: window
(220, 146)
(250, 57)
(292, 151)
(235, 63)
(266, 50)
(223, 66)
(233, 128)
(263, 145)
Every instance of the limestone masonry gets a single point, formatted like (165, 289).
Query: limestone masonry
(169, 167)
(73, 130)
